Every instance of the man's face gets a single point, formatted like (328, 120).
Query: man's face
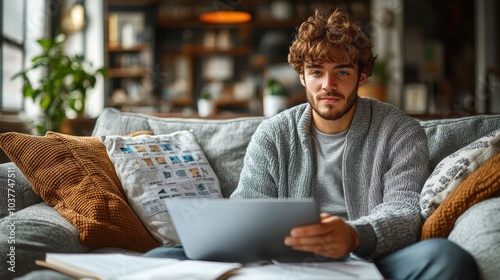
(331, 88)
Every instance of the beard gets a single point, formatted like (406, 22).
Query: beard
(331, 113)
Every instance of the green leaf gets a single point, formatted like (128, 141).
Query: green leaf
(275, 87)
(103, 72)
(40, 58)
(27, 90)
(45, 103)
(18, 75)
(92, 80)
(35, 93)
(45, 43)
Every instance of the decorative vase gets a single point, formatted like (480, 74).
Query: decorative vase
(273, 104)
(205, 107)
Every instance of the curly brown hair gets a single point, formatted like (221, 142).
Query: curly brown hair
(331, 37)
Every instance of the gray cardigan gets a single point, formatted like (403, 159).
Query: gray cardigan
(385, 166)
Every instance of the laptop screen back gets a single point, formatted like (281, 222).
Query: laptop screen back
(244, 230)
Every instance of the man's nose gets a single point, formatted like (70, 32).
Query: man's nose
(330, 82)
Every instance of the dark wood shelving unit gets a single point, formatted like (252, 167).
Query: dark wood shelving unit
(177, 40)
(204, 51)
(127, 72)
(135, 48)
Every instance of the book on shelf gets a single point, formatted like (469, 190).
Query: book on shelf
(113, 29)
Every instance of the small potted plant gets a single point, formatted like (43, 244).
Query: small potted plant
(205, 107)
(376, 85)
(62, 86)
(275, 97)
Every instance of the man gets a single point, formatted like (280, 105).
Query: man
(364, 161)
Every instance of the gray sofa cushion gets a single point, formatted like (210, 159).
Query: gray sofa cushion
(33, 232)
(17, 188)
(449, 135)
(224, 141)
(478, 231)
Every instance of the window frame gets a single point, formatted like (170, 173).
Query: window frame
(4, 39)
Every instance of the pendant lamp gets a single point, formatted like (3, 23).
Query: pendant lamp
(225, 12)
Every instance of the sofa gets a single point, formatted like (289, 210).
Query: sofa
(29, 227)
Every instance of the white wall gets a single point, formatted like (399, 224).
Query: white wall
(36, 28)
(94, 52)
(90, 43)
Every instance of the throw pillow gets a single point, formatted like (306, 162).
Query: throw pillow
(75, 176)
(454, 169)
(480, 185)
(154, 168)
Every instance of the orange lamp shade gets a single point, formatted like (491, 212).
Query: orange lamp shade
(225, 17)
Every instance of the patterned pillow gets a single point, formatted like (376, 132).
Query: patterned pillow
(454, 169)
(75, 176)
(153, 168)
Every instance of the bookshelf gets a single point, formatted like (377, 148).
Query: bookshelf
(179, 56)
(129, 56)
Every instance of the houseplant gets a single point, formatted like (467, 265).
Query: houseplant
(275, 97)
(376, 85)
(205, 106)
(62, 86)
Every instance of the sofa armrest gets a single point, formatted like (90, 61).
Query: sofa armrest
(477, 230)
(15, 191)
(30, 233)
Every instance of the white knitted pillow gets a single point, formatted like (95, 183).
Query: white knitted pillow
(155, 168)
(454, 169)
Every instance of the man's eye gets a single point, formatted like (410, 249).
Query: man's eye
(315, 73)
(343, 73)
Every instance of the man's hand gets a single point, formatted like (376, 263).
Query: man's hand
(332, 237)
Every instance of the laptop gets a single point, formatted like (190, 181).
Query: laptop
(243, 230)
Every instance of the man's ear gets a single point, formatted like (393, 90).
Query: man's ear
(302, 81)
(362, 79)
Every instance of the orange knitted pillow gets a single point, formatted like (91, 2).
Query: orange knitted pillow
(75, 176)
(480, 185)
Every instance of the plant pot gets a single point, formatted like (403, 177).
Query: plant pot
(79, 126)
(374, 90)
(205, 107)
(273, 104)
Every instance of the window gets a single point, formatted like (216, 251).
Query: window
(11, 52)
(12, 62)
(21, 26)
